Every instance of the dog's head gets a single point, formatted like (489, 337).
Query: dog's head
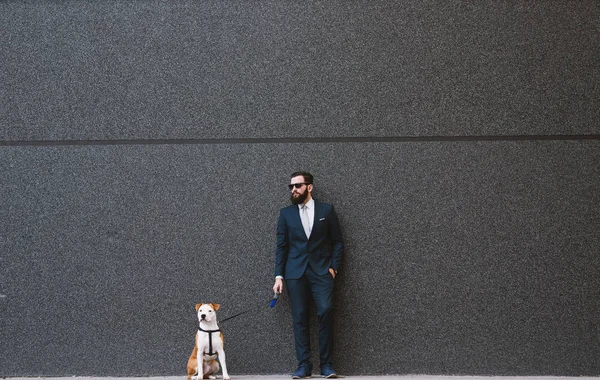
(206, 311)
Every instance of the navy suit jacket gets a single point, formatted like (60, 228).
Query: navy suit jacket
(323, 250)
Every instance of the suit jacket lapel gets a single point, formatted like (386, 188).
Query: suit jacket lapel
(317, 216)
(295, 215)
(295, 210)
(317, 209)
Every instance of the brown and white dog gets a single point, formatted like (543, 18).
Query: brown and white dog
(202, 363)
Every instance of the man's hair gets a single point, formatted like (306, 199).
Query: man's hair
(308, 178)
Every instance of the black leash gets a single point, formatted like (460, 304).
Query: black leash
(271, 305)
(233, 316)
(244, 312)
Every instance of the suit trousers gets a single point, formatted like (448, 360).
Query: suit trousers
(320, 289)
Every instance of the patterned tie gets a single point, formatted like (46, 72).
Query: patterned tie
(305, 222)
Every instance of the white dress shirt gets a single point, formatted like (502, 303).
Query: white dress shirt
(310, 210)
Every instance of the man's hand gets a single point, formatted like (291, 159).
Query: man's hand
(332, 272)
(278, 287)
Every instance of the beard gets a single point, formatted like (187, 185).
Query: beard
(299, 199)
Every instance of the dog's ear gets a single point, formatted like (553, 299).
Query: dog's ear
(198, 305)
(216, 306)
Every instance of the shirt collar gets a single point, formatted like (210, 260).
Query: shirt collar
(309, 205)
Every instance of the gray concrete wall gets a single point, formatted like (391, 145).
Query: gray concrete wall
(145, 148)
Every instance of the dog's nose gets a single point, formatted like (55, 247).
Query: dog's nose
(203, 316)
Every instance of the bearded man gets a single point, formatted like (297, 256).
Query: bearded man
(308, 256)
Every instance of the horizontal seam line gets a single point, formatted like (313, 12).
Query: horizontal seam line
(296, 140)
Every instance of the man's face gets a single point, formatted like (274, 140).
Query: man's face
(300, 190)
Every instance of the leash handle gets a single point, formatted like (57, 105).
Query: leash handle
(274, 300)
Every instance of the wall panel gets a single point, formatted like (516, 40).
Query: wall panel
(111, 70)
(462, 257)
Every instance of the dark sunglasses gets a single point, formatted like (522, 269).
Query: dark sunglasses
(298, 185)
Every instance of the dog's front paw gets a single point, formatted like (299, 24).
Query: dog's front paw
(226, 377)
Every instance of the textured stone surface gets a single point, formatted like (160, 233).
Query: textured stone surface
(233, 69)
(462, 257)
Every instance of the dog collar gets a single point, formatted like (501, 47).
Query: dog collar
(210, 332)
